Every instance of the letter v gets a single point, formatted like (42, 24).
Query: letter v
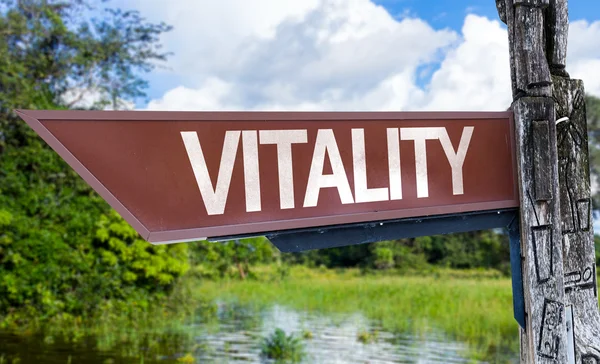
(214, 199)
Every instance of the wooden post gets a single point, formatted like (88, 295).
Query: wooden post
(579, 258)
(557, 245)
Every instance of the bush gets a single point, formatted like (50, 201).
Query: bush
(132, 262)
(232, 258)
(384, 258)
(282, 347)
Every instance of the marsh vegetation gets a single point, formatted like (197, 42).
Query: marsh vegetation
(467, 312)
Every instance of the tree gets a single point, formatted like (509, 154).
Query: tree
(59, 241)
(240, 254)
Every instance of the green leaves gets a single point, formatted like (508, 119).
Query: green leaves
(235, 255)
(133, 260)
(49, 50)
(61, 246)
(5, 218)
(282, 347)
(481, 249)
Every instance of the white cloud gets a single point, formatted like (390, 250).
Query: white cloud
(584, 39)
(211, 96)
(93, 97)
(207, 33)
(475, 75)
(584, 54)
(340, 55)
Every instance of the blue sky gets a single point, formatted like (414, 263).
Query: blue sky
(450, 13)
(345, 54)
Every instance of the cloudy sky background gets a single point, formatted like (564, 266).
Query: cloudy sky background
(345, 54)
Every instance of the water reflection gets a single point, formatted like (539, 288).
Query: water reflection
(334, 339)
(234, 336)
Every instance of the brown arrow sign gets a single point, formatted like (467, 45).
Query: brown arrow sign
(182, 176)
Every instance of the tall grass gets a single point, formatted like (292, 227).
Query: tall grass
(472, 309)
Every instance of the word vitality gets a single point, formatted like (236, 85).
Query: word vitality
(325, 151)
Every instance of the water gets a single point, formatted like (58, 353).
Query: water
(234, 336)
(335, 339)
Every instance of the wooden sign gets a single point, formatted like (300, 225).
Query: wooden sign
(181, 176)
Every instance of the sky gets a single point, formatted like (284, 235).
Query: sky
(345, 55)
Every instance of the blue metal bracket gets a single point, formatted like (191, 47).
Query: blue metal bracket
(516, 269)
(370, 232)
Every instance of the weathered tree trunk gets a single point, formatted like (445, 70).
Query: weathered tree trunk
(579, 258)
(557, 246)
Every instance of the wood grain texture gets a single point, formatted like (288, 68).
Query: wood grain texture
(557, 32)
(579, 261)
(532, 71)
(545, 338)
(542, 159)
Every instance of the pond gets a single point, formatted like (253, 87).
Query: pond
(234, 335)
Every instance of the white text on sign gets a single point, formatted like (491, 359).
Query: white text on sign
(215, 197)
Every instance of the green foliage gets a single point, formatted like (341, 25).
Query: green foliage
(61, 247)
(466, 250)
(231, 258)
(126, 260)
(282, 347)
(347, 256)
(187, 358)
(157, 328)
(592, 104)
(384, 257)
(481, 249)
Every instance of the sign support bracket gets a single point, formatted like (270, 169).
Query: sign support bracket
(516, 269)
(297, 240)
